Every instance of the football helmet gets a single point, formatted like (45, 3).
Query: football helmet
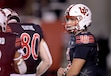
(2, 21)
(82, 13)
(10, 14)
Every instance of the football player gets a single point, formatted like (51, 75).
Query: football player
(36, 52)
(82, 48)
(10, 47)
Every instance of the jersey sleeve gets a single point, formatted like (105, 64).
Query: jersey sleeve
(40, 31)
(82, 51)
(84, 45)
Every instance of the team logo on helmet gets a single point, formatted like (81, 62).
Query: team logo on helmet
(84, 11)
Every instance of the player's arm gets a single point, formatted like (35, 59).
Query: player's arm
(76, 66)
(46, 59)
(63, 71)
(19, 64)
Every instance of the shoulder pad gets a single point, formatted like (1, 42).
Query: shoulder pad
(84, 39)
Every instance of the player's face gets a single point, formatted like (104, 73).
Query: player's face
(71, 24)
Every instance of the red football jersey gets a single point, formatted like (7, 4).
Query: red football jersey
(9, 43)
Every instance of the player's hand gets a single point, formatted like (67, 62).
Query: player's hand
(61, 72)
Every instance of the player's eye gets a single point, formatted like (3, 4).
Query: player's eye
(67, 19)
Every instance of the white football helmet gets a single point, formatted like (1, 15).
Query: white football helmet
(2, 21)
(10, 14)
(82, 13)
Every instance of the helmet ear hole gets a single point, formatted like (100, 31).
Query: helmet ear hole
(85, 27)
(4, 28)
(0, 28)
(4, 23)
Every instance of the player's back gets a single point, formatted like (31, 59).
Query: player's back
(7, 52)
(30, 35)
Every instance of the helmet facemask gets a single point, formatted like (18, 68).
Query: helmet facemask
(71, 27)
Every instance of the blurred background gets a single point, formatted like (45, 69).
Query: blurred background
(49, 14)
